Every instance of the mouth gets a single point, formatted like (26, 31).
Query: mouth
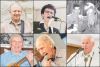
(85, 49)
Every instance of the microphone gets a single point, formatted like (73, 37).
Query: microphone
(55, 17)
(80, 49)
(73, 55)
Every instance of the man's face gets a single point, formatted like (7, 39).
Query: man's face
(44, 49)
(48, 13)
(15, 12)
(16, 44)
(87, 44)
(76, 10)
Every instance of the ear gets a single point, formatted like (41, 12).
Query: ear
(93, 44)
(42, 16)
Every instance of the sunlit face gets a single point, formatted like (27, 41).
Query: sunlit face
(76, 10)
(16, 44)
(47, 13)
(87, 44)
(44, 48)
(15, 12)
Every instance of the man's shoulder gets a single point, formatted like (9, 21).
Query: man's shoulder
(5, 54)
(5, 22)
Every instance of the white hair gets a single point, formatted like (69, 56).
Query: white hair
(46, 39)
(15, 3)
(15, 35)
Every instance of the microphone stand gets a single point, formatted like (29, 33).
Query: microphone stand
(77, 52)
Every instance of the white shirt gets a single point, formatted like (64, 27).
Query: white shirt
(79, 59)
(50, 24)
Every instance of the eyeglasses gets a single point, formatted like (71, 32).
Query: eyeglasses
(49, 12)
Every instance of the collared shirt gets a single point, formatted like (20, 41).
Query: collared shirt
(8, 58)
(88, 58)
(9, 27)
(79, 59)
(50, 25)
(49, 29)
(17, 27)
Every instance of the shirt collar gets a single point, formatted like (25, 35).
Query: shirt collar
(19, 23)
(88, 55)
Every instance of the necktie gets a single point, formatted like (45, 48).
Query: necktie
(85, 60)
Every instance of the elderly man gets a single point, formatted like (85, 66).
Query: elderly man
(88, 57)
(46, 46)
(16, 24)
(16, 56)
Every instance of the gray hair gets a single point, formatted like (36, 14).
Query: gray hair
(15, 35)
(46, 39)
(15, 3)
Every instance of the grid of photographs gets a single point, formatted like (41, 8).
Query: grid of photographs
(49, 33)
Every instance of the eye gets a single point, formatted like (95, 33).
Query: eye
(82, 42)
(19, 11)
(14, 11)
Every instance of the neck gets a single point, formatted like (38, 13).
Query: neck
(46, 23)
(15, 52)
(15, 22)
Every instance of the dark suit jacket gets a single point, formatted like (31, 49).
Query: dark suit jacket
(41, 25)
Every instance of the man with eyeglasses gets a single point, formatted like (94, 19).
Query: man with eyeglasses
(47, 12)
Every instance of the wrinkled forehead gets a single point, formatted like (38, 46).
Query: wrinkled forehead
(15, 7)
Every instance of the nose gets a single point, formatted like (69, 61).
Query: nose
(17, 12)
